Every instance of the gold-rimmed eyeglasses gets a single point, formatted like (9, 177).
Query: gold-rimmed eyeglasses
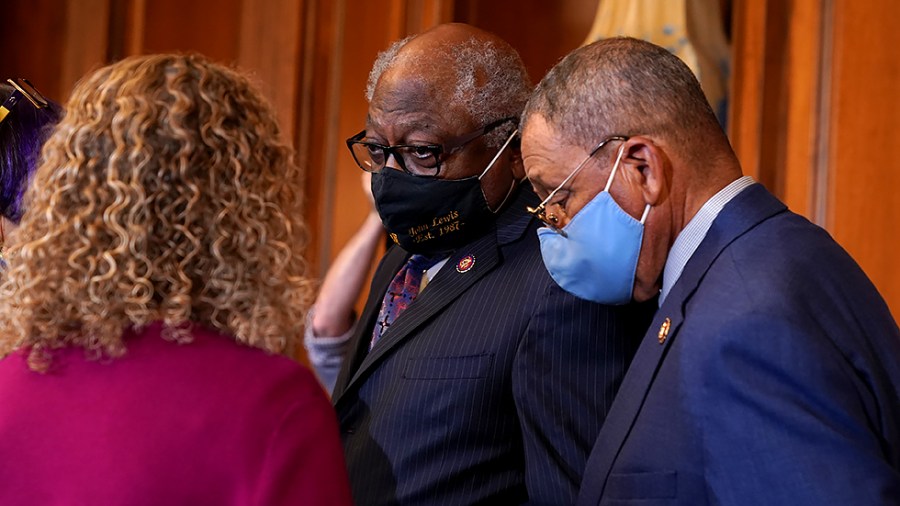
(551, 220)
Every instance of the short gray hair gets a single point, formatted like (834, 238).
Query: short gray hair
(383, 62)
(491, 80)
(622, 86)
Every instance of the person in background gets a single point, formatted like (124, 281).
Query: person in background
(26, 120)
(471, 378)
(692, 30)
(330, 321)
(771, 372)
(151, 302)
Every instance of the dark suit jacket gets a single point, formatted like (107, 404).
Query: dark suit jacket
(490, 388)
(776, 384)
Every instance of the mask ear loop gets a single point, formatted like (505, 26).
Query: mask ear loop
(499, 152)
(512, 187)
(646, 212)
(612, 173)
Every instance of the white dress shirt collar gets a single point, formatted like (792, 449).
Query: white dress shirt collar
(690, 238)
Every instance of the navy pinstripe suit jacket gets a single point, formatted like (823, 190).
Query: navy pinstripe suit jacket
(490, 388)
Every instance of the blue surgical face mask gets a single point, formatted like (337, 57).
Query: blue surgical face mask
(597, 258)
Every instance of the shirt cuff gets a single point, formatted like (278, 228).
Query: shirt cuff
(326, 353)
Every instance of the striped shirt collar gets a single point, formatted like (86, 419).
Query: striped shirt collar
(690, 238)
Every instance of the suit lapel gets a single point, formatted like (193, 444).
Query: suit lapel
(362, 335)
(630, 397)
(749, 208)
(441, 291)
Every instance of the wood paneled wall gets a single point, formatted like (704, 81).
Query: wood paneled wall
(35, 49)
(815, 118)
(814, 88)
(542, 32)
(862, 207)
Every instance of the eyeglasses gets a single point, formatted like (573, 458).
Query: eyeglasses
(415, 159)
(551, 220)
(23, 88)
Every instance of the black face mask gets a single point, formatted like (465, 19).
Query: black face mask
(427, 215)
(430, 216)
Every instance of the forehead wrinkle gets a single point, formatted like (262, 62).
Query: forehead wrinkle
(543, 147)
(400, 119)
(428, 75)
(539, 181)
(404, 101)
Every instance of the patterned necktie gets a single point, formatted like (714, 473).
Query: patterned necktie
(400, 293)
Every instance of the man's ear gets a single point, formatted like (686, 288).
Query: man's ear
(516, 166)
(647, 167)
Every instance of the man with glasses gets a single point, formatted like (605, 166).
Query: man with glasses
(771, 372)
(471, 377)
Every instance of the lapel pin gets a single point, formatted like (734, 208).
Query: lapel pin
(465, 263)
(664, 330)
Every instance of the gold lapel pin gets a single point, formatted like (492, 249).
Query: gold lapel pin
(465, 264)
(664, 330)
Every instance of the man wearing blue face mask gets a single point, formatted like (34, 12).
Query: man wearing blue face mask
(471, 378)
(771, 372)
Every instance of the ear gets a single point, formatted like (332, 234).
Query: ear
(515, 163)
(646, 166)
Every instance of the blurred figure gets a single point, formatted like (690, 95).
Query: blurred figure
(26, 120)
(692, 30)
(153, 284)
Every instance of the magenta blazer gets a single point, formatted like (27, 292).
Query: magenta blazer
(211, 422)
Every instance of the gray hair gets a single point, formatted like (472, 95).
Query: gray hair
(383, 62)
(623, 86)
(491, 80)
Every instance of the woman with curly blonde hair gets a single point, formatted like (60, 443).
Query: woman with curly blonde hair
(154, 281)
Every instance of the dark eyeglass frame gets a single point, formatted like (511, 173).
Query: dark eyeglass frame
(22, 88)
(440, 152)
(540, 212)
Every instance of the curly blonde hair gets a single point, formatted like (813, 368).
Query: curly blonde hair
(166, 195)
